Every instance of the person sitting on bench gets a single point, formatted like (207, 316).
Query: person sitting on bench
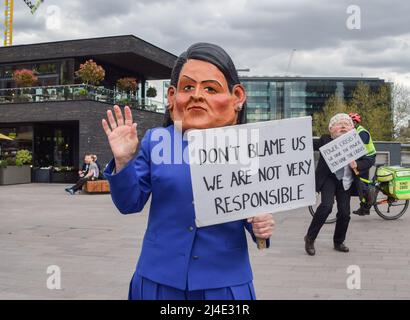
(93, 173)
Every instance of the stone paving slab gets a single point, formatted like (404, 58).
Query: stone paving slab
(97, 249)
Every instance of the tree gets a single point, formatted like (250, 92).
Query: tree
(90, 72)
(401, 112)
(321, 119)
(375, 109)
(151, 92)
(404, 134)
(24, 78)
(127, 84)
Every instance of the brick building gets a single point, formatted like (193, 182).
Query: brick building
(59, 119)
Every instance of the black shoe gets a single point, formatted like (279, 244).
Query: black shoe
(70, 191)
(362, 211)
(309, 246)
(341, 247)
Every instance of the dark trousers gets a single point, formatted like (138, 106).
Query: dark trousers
(332, 188)
(80, 183)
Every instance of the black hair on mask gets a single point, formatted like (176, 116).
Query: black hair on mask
(211, 53)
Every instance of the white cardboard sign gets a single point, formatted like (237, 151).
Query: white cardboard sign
(343, 150)
(240, 171)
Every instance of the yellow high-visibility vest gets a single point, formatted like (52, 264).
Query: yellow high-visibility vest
(371, 150)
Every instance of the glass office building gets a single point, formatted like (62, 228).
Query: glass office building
(271, 98)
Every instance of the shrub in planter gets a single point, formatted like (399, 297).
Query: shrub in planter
(22, 98)
(64, 175)
(10, 161)
(90, 72)
(16, 169)
(81, 94)
(24, 78)
(124, 102)
(151, 92)
(23, 157)
(127, 84)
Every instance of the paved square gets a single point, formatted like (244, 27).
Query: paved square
(97, 248)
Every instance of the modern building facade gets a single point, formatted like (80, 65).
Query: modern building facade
(271, 98)
(59, 119)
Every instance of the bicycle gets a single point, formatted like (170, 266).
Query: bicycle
(385, 203)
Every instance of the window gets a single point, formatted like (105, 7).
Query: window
(45, 68)
(22, 139)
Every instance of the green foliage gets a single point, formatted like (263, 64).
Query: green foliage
(151, 92)
(23, 157)
(404, 134)
(10, 161)
(3, 163)
(124, 102)
(321, 119)
(374, 108)
(82, 92)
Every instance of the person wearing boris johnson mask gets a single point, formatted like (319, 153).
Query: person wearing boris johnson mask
(179, 260)
(337, 185)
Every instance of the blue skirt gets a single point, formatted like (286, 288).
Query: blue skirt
(145, 289)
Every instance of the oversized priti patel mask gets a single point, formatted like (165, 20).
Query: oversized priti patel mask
(202, 98)
(205, 91)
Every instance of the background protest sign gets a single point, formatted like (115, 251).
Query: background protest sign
(244, 170)
(343, 150)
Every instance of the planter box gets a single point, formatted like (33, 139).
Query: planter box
(64, 177)
(15, 175)
(50, 176)
(41, 175)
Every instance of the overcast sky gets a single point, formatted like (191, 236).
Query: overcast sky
(259, 34)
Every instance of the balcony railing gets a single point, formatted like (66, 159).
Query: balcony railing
(78, 92)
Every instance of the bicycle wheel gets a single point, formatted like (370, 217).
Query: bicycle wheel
(332, 216)
(389, 208)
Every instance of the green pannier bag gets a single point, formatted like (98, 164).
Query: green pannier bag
(396, 181)
(383, 174)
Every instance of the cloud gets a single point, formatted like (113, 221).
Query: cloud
(259, 34)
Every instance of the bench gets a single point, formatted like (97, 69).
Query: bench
(97, 186)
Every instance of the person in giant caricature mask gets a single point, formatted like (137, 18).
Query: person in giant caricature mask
(205, 263)
(205, 91)
(340, 124)
(332, 185)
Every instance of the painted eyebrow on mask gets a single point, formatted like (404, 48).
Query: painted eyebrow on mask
(213, 81)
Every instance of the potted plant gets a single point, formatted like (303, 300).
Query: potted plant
(124, 102)
(90, 73)
(151, 92)
(24, 78)
(128, 84)
(81, 94)
(64, 174)
(16, 170)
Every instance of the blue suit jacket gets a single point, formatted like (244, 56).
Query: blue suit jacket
(175, 252)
